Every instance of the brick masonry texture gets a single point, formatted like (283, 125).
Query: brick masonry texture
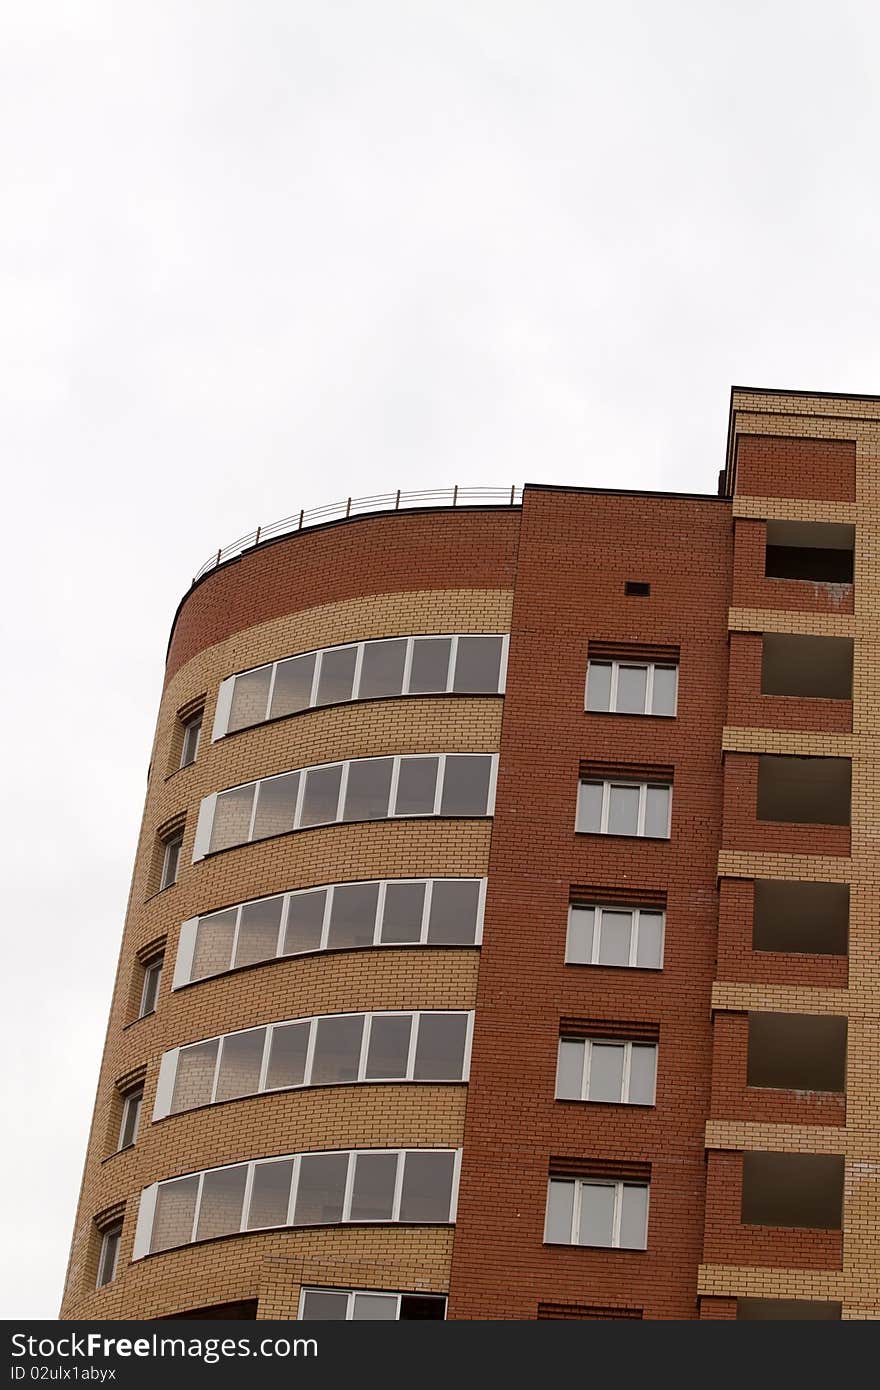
(552, 573)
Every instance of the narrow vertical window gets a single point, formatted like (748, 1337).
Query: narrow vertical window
(150, 991)
(108, 1258)
(191, 733)
(131, 1114)
(170, 860)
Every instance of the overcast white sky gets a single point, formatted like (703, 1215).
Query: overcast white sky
(261, 254)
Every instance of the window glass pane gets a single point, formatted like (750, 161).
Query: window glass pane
(560, 1209)
(466, 786)
(453, 915)
(420, 1306)
(222, 1198)
(258, 931)
(657, 812)
(402, 915)
(623, 811)
(614, 938)
(634, 1218)
(649, 950)
(194, 1080)
(579, 949)
(389, 1046)
(287, 1055)
(643, 1064)
(232, 818)
(430, 664)
(293, 685)
(369, 787)
(110, 1241)
(321, 1188)
(305, 918)
(337, 674)
(665, 682)
(440, 1047)
(337, 1049)
(321, 797)
(382, 668)
(152, 981)
(373, 1306)
(131, 1111)
(270, 1194)
(416, 785)
(190, 748)
(589, 809)
(250, 695)
(171, 861)
(240, 1059)
(597, 1214)
(324, 1307)
(606, 1072)
(427, 1186)
(175, 1210)
(632, 689)
(213, 945)
(599, 686)
(570, 1070)
(372, 1194)
(478, 665)
(352, 915)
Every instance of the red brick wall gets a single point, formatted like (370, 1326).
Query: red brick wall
(737, 960)
(747, 708)
(733, 1099)
(729, 1242)
(751, 589)
(771, 466)
(468, 548)
(576, 551)
(743, 831)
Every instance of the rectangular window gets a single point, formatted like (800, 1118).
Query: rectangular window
(610, 1214)
(616, 1073)
(191, 732)
(443, 784)
(342, 916)
(459, 664)
(170, 860)
(108, 1257)
(150, 991)
(632, 687)
(624, 808)
(359, 1305)
(623, 936)
(131, 1113)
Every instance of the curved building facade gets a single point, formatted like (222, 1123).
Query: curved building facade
(499, 937)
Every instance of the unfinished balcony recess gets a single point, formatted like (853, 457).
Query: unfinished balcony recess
(804, 791)
(818, 551)
(785, 1310)
(814, 668)
(803, 1190)
(812, 918)
(797, 1052)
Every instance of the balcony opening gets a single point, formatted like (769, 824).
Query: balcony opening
(804, 1190)
(797, 1052)
(819, 551)
(816, 668)
(812, 918)
(804, 791)
(786, 1310)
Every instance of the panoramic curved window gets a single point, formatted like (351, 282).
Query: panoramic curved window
(416, 1186)
(332, 917)
(432, 784)
(458, 664)
(326, 1050)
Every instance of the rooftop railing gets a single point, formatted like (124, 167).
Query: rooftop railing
(360, 506)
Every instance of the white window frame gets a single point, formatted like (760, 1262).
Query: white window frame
(129, 1099)
(618, 1186)
(227, 687)
(370, 1293)
(188, 725)
(205, 826)
(112, 1232)
(169, 1061)
(173, 842)
(588, 1044)
(149, 1195)
(608, 784)
(151, 968)
(649, 667)
(599, 909)
(188, 935)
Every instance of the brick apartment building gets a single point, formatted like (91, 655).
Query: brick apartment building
(504, 938)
